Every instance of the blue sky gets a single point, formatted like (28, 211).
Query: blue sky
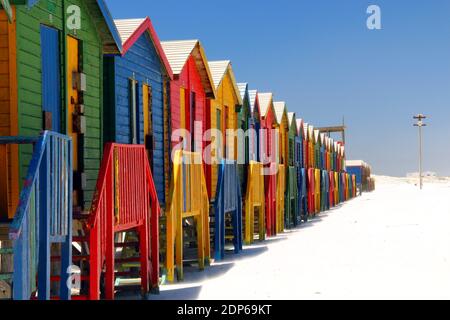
(319, 57)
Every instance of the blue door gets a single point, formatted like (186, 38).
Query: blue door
(51, 80)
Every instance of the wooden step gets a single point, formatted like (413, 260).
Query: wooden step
(125, 260)
(126, 244)
(127, 274)
(80, 216)
(74, 258)
(4, 231)
(80, 239)
(135, 286)
(58, 278)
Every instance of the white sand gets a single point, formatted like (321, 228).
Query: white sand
(390, 244)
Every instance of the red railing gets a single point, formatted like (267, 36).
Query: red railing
(125, 199)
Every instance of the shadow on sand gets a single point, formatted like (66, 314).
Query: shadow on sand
(191, 287)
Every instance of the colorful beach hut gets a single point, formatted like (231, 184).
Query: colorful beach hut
(137, 111)
(190, 92)
(255, 126)
(301, 171)
(283, 161)
(269, 157)
(55, 83)
(223, 117)
(243, 147)
(44, 96)
(293, 217)
(255, 195)
(191, 89)
(223, 173)
(136, 96)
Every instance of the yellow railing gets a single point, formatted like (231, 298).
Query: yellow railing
(317, 174)
(254, 199)
(281, 189)
(336, 189)
(189, 199)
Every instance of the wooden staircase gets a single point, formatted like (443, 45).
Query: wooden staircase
(187, 215)
(226, 217)
(254, 216)
(118, 238)
(42, 220)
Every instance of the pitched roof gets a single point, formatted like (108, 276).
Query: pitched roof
(311, 132)
(306, 130)
(292, 122)
(317, 135)
(300, 126)
(252, 94)
(130, 30)
(126, 27)
(280, 110)
(291, 118)
(265, 102)
(218, 71)
(178, 53)
(243, 88)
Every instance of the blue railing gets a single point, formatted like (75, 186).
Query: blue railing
(292, 215)
(228, 200)
(325, 190)
(302, 193)
(43, 216)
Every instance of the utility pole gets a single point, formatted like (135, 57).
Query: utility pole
(420, 124)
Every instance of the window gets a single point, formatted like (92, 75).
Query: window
(134, 112)
(147, 104)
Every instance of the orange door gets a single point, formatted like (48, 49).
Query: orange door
(72, 101)
(9, 159)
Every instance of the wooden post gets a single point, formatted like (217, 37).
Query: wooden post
(94, 262)
(44, 226)
(181, 194)
(66, 248)
(154, 246)
(109, 241)
(144, 250)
